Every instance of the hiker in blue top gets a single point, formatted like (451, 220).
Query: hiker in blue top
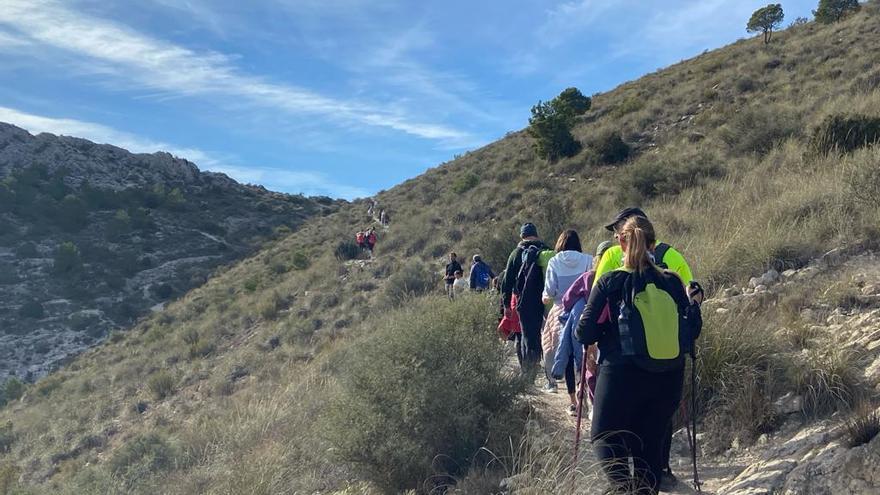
(653, 326)
(481, 275)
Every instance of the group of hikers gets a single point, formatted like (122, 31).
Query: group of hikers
(480, 276)
(379, 214)
(622, 320)
(366, 240)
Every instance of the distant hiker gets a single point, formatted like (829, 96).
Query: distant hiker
(371, 240)
(664, 256)
(481, 275)
(564, 268)
(521, 292)
(383, 218)
(460, 285)
(641, 359)
(449, 278)
(361, 239)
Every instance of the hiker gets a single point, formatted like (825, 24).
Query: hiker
(563, 269)
(641, 358)
(361, 239)
(481, 275)
(460, 285)
(371, 240)
(664, 256)
(570, 358)
(449, 278)
(383, 218)
(521, 291)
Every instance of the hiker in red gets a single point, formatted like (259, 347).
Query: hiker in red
(361, 239)
(371, 240)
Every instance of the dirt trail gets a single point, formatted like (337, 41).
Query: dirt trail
(714, 473)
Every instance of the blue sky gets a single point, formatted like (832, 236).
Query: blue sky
(335, 97)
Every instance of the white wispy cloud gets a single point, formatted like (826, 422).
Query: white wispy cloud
(276, 179)
(158, 65)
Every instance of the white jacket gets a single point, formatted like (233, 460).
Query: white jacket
(562, 270)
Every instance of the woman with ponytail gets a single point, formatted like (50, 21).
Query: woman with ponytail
(641, 363)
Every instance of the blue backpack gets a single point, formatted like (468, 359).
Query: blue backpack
(482, 275)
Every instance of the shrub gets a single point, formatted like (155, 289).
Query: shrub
(251, 284)
(610, 148)
(864, 181)
(765, 20)
(300, 261)
(411, 280)
(843, 134)
(465, 182)
(418, 412)
(828, 380)
(143, 456)
(758, 130)
(13, 389)
(67, 259)
(7, 437)
(665, 174)
(31, 309)
(346, 250)
(862, 425)
(629, 105)
(161, 384)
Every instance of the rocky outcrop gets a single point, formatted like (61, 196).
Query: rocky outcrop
(146, 228)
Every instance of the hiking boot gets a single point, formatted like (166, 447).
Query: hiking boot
(668, 481)
(572, 410)
(550, 388)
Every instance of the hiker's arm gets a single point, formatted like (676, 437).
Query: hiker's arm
(509, 278)
(551, 286)
(575, 292)
(676, 262)
(588, 331)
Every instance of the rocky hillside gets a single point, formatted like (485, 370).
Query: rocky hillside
(92, 237)
(357, 376)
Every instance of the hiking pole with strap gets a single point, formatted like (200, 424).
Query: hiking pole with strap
(580, 407)
(694, 288)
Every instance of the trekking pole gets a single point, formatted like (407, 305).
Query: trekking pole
(691, 425)
(580, 407)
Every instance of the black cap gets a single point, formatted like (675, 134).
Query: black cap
(624, 214)
(528, 230)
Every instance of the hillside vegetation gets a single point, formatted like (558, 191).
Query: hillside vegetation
(92, 236)
(357, 376)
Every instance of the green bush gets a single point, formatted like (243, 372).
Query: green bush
(844, 134)
(428, 405)
(67, 259)
(143, 456)
(864, 181)
(411, 280)
(346, 250)
(31, 309)
(610, 148)
(758, 130)
(668, 175)
(161, 384)
(629, 105)
(465, 182)
(300, 261)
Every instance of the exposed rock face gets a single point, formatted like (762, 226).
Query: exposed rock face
(145, 228)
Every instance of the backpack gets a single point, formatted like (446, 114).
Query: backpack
(653, 327)
(482, 275)
(530, 279)
(660, 253)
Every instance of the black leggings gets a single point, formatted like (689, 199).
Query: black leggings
(531, 322)
(569, 376)
(633, 409)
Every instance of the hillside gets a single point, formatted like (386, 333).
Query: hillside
(92, 236)
(356, 376)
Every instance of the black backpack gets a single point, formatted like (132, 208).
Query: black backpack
(660, 253)
(530, 279)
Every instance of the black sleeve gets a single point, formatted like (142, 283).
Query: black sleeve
(692, 312)
(510, 274)
(588, 331)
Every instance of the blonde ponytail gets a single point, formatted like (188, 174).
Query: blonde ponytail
(638, 233)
